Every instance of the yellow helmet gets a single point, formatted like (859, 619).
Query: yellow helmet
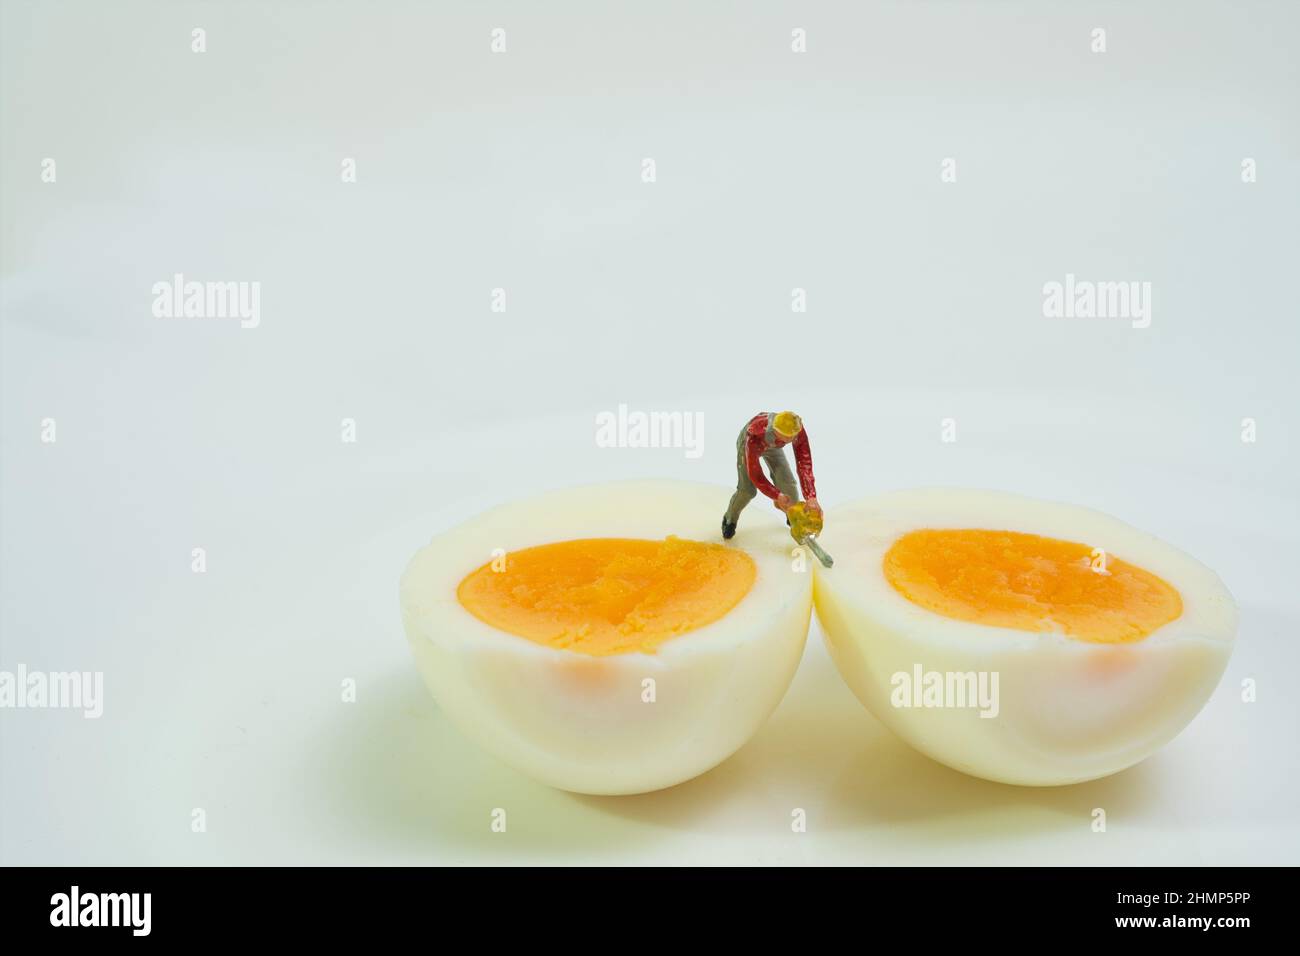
(787, 424)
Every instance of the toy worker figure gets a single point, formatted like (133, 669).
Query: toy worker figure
(764, 437)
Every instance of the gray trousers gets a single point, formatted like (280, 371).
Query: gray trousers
(778, 469)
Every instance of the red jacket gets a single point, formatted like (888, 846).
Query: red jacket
(757, 442)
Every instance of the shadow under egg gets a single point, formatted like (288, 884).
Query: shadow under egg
(403, 778)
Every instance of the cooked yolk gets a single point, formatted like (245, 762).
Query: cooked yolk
(1030, 583)
(609, 595)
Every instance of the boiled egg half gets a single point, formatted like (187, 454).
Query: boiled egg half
(603, 639)
(1019, 640)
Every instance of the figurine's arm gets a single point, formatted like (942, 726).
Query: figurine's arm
(803, 465)
(753, 454)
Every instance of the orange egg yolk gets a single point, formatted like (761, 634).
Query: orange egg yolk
(604, 596)
(1030, 583)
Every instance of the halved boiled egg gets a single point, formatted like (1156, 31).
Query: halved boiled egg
(1020, 640)
(602, 639)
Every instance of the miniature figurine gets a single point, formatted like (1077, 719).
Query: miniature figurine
(763, 438)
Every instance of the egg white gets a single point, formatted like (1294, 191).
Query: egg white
(580, 722)
(1068, 710)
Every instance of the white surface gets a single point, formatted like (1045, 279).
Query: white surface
(475, 171)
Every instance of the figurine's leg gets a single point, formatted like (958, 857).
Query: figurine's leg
(742, 497)
(782, 476)
(745, 491)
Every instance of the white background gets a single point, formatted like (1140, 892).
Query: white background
(523, 171)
